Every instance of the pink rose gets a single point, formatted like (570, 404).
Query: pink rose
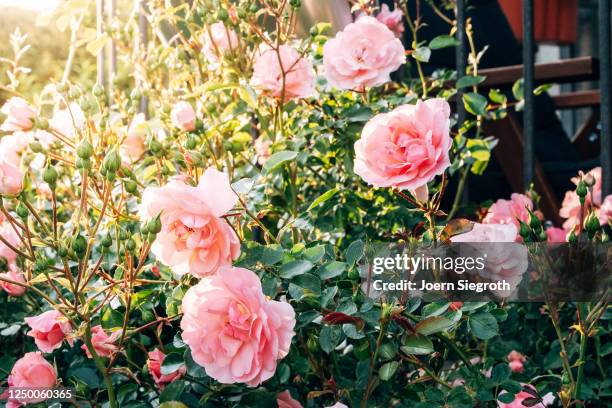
(10, 235)
(102, 342)
(405, 148)
(363, 55)
(183, 116)
(69, 121)
(510, 211)
(13, 146)
(15, 275)
(154, 363)
(31, 371)
(286, 67)
(219, 40)
(133, 146)
(49, 330)
(11, 179)
(338, 405)
(392, 19)
(556, 235)
(262, 149)
(570, 207)
(233, 331)
(519, 398)
(45, 138)
(605, 211)
(285, 400)
(194, 238)
(20, 115)
(516, 361)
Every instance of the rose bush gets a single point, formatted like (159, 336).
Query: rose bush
(192, 235)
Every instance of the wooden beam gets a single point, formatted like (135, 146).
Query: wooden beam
(563, 71)
(579, 99)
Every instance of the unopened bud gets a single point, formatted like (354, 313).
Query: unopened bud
(524, 230)
(22, 211)
(112, 161)
(85, 150)
(79, 245)
(50, 176)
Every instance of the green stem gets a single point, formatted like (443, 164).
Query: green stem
(373, 358)
(464, 173)
(582, 355)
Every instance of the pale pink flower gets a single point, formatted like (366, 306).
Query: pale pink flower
(11, 179)
(7, 231)
(12, 147)
(338, 405)
(45, 138)
(183, 116)
(516, 361)
(556, 235)
(262, 149)
(31, 371)
(194, 238)
(103, 344)
(233, 331)
(154, 363)
(285, 400)
(510, 211)
(570, 207)
(219, 41)
(518, 400)
(405, 148)
(605, 211)
(284, 74)
(69, 121)
(15, 275)
(133, 145)
(363, 55)
(392, 19)
(20, 115)
(49, 330)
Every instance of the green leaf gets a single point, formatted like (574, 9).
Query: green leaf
(295, 268)
(513, 387)
(271, 255)
(322, 198)
(247, 94)
(305, 285)
(329, 338)
(417, 344)
(95, 46)
(443, 41)
(315, 253)
(172, 392)
(475, 103)
(387, 371)
(483, 325)
(354, 252)
(518, 90)
(172, 362)
(500, 373)
(505, 398)
(497, 97)
(277, 159)
(479, 149)
(422, 54)
(433, 324)
(331, 270)
(542, 89)
(173, 404)
(469, 80)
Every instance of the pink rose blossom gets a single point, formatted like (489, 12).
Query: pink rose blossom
(12, 147)
(405, 148)
(233, 331)
(518, 400)
(133, 146)
(183, 116)
(570, 207)
(69, 121)
(605, 211)
(15, 275)
(45, 138)
(556, 235)
(392, 19)
(219, 41)
(299, 78)
(154, 363)
(31, 371)
(103, 344)
(338, 405)
(262, 149)
(11, 179)
(363, 55)
(285, 400)
(7, 231)
(510, 211)
(516, 361)
(49, 330)
(20, 115)
(194, 238)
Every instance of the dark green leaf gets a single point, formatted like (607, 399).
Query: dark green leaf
(277, 159)
(172, 363)
(387, 371)
(295, 268)
(443, 41)
(483, 325)
(417, 344)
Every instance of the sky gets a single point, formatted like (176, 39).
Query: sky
(30, 4)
